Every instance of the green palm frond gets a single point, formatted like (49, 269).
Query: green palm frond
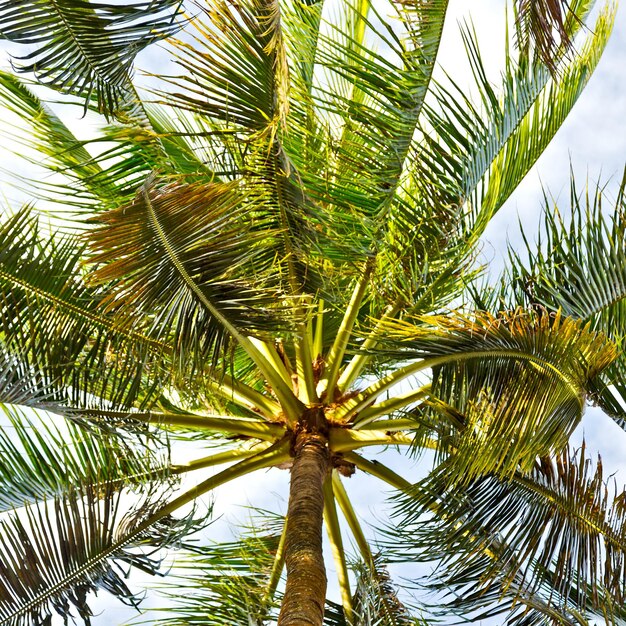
(485, 155)
(577, 265)
(281, 167)
(513, 386)
(423, 242)
(87, 178)
(84, 48)
(350, 129)
(164, 140)
(167, 140)
(195, 259)
(551, 542)
(235, 87)
(55, 553)
(224, 583)
(376, 97)
(54, 333)
(187, 142)
(42, 456)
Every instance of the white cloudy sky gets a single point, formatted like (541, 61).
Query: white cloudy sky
(593, 139)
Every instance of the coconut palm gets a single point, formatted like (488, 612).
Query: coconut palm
(270, 249)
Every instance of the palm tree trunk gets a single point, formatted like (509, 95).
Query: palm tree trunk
(305, 592)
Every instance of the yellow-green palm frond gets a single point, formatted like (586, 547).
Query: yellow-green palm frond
(508, 388)
(578, 266)
(44, 456)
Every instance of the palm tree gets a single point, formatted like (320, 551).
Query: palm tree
(273, 252)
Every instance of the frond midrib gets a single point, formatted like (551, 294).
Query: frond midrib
(76, 39)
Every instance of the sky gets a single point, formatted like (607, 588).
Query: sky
(592, 140)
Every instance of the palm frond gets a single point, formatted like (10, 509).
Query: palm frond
(86, 177)
(163, 140)
(234, 68)
(55, 553)
(301, 24)
(235, 86)
(94, 178)
(548, 545)
(512, 386)
(543, 23)
(376, 97)
(350, 132)
(42, 456)
(86, 48)
(578, 267)
(224, 583)
(376, 601)
(422, 241)
(46, 134)
(54, 334)
(187, 142)
(188, 255)
(484, 156)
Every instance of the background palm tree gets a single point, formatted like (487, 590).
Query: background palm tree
(274, 253)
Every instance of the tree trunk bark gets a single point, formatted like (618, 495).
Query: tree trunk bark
(305, 591)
